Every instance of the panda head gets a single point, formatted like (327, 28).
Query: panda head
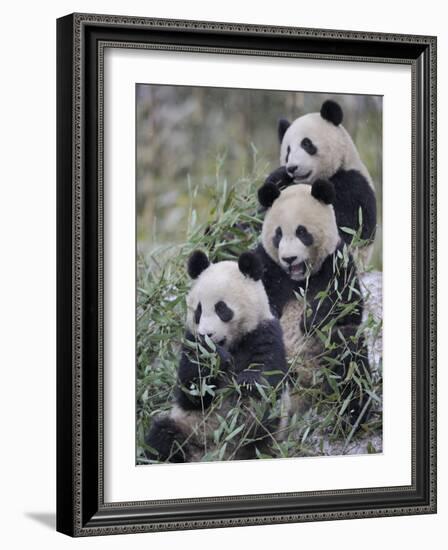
(299, 229)
(314, 145)
(227, 299)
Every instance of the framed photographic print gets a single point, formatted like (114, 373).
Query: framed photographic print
(246, 274)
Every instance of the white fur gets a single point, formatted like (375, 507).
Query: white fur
(296, 206)
(335, 149)
(247, 298)
(293, 337)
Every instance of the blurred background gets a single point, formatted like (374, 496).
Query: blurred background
(187, 137)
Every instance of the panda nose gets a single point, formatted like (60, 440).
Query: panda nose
(289, 259)
(291, 168)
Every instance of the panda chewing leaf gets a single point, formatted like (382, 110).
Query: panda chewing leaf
(233, 354)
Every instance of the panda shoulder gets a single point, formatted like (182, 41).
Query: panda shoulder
(266, 340)
(349, 177)
(353, 181)
(273, 274)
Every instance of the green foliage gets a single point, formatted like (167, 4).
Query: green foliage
(230, 227)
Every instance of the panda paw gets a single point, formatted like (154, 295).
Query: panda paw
(164, 441)
(224, 356)
(279, 177)
(247, 380)
(221, 352)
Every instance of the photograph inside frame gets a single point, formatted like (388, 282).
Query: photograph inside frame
(259, 274)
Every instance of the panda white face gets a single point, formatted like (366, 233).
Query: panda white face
(299, 232)
(314, 148)
(225, 304)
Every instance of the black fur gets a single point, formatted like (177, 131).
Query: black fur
(323, 191)
(250, 265)
(308, 146)
(347, 346)
(191, 373)
(283, 125)
(280, 178)
(347, 292)
(197, 263)
(258, 353)
(277, 237)
(198, 313)
(267, 194)
(332, 112)
(263, 347)
(352, 192)
(165, 441)
(304, 235)
(223, 311)
(278, 285)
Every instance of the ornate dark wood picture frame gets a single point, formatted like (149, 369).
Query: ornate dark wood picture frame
(81, 507)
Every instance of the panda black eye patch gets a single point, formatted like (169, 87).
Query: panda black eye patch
(223, 311)
(308, 146)
(303, 234)
(198, 313)
(288, 152)
(277, 237)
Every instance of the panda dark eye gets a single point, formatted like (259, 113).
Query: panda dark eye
(288, 152)
(308, 146)
(198, 313)
(223, 312)
(303, 234)
(277, 237)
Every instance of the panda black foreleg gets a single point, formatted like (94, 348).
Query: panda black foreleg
(280, 178)
(260, 357)
(354, 193)
(278, 285)
(247, 380)
(334, 296)
(349, 362)
(165, 441)
(196, 375)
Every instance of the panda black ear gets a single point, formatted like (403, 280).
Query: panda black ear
(283, 125)
(197, 263)
(250, 265)
(323, 190)
(267, 194)
(332, 112)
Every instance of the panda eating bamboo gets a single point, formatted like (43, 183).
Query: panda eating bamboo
(232, 392)
(313, 288)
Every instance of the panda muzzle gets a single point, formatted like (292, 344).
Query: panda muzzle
(297, 269)
(298, 176)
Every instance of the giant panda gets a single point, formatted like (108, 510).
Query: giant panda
(233, 356)
(316, 146)
(312, 285)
